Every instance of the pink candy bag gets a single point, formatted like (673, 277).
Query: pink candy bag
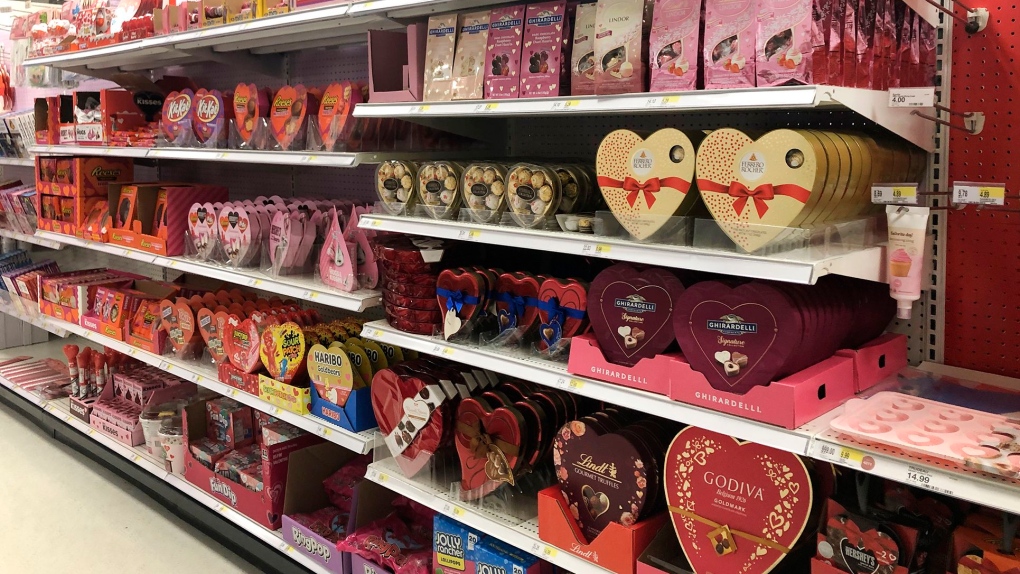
(546, 35)
(620, 27)
(673, 56)
(503, 53)
(785, 44)
(728, 56)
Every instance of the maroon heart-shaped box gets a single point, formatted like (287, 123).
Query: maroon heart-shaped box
(631, 311)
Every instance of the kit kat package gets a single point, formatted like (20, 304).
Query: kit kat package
(785, 44)
(546, 37)
(503, 53)
(729, 45)
(674, 45)
(620, 27)
(582, 53)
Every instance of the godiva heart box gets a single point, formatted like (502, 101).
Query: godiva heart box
(645, 182)
(736, 507)
(631, 311)
(756, 188)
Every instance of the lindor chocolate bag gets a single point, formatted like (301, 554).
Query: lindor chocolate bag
(582, 54)
(728, 56)
(674, 45)
(439, 50)
(785, 45)
(620, 28)
(468, 70)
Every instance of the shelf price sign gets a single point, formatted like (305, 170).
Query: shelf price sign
(968, 192)
(912, 98)
(894, 193)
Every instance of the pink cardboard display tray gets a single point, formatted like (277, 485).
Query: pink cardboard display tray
(649, 374)
(967, 437)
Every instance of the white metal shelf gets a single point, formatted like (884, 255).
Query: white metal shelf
(17, 161)
(311, 158)
(137, 455)
(552, 374)
(205, 376)
(522, 534)
(288, 286)
(867, 263)
(34, 239)
(871, 104)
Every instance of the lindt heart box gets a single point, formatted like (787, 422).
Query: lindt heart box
(736, 507)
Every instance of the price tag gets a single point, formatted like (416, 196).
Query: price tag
(894, 193)
(92, 432)
(383, 477)
(323, 431)
(254, 282)
(372, 474)
(491, 107)
(575, 384)
(549, 552)
(926, 479)
(469, 234)
(979, 193)
(419, 109)
(844, 455)
(596, 249)
(376, 222)
(136, 458)
(565, 105)
(308, 158)
(912, 98)
(164, 366)
(221, 155)
(221, 509)
(373, 333)
(448, 351)
(670, 100)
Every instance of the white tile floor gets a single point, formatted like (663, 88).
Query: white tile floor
(61, 512)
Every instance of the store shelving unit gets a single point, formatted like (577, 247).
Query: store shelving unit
(17, 161)
(140, 457)
(298, 287)
(552, 374)
(799, 266)
(522, 534)
(34, 239)
(204, 376)
(293, 158)
(870, 104)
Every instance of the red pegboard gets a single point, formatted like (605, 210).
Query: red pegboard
(981, 308)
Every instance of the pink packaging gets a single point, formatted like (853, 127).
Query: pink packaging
(674, 45)
(785, 44)
(503, 53)
(546, 33)
(468, 69)
(620, 60)
(439, 50)
(850, 43)
(728, 57)
(582, 53)
(866, 43)
(835, 63)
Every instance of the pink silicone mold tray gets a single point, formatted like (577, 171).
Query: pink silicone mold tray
(978, 440)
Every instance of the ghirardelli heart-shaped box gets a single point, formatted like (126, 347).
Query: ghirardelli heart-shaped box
(602, 475)
(736, 507)
(631, 311)
(646, 181)
(738, 337)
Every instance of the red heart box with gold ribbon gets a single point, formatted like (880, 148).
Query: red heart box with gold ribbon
(489, 443)
(736, 507)
(645, 182)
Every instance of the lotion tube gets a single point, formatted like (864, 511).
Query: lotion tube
(907, 229)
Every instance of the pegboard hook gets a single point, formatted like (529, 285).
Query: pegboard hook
(973, 122)
(976, 20)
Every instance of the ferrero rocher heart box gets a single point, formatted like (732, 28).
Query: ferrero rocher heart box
(645, 182)
(736, 507)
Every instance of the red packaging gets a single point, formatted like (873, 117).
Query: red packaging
(821, 17)
(866, 42)
(850, 43)
(835, 63)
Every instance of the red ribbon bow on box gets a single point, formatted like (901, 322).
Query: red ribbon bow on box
(760, 194)
(648, 187)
